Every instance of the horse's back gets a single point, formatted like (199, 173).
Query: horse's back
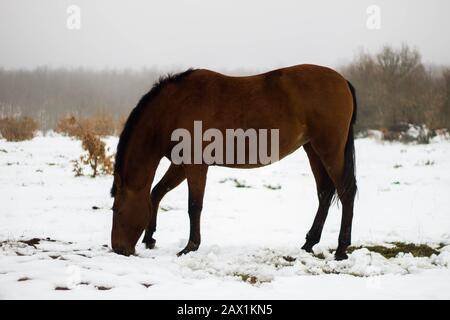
(299, 101)
(293, 95)
(296, 89)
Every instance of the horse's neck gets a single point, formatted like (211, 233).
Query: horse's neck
(141, 162)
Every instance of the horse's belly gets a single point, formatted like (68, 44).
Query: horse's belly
(288, 142)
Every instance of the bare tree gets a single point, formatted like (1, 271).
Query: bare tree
(394, 87)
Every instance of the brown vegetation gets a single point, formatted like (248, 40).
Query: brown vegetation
(95, 157)
(69, 126)
(120, 124)
(101, 124)
(417, 250)
(18, 129)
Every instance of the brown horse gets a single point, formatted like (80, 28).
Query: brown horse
(312, 106)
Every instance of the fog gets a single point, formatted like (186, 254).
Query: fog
(225, 35)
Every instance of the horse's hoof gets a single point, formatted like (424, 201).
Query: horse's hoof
(308, 248)
(191, 246)
(184, 251)
(340, 256)
(150, 244)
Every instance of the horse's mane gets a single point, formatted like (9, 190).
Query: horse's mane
(135, 115)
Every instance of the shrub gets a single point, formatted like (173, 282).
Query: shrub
(69, 126)
(95, 156)
(18, 129)
(101, 124)
(394, 87)
(408, 133)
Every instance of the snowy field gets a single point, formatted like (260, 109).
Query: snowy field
(251, 237)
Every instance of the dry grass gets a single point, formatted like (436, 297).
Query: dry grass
(18, 129)
(103, 288)
(237, 183)
(248, 278)
(101, 124)
(60, 288)
(69, 126)
(417, 250)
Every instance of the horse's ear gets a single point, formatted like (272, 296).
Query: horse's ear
(117, 181)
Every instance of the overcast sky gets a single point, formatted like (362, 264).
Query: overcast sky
(225, 34)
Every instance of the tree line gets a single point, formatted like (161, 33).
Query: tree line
(48, 95)
(393, 87)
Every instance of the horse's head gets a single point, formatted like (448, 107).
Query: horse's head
(131, 213)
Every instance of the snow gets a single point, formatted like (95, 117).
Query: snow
(252, 234)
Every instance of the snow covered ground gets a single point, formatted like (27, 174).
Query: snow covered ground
(252, 234)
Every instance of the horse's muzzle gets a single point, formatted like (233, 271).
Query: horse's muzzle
(124, 251)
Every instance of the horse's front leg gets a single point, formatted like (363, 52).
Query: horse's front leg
(148, 236)
(196, 177)
(171, 179)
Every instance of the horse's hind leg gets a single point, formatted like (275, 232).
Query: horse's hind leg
(337, 158)
(171, 179)
(196, 177)
(325, 193)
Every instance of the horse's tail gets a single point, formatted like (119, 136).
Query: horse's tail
(349, 178)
